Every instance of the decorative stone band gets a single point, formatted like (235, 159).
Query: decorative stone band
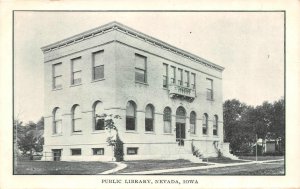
(130, 32)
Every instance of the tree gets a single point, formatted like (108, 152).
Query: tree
(114, 139)
(30, 137)
(243, 123)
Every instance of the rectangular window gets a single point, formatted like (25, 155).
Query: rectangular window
(180, 77)
(173, 75)
(165, 76)
(187, 78)
(210, 94)
(193, 81)
(76, 71)
(132, 151)
(98, 151)
(76, 152)
(57, 76)
(140, 68)
(98, 65)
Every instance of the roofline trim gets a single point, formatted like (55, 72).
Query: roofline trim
(133, 33)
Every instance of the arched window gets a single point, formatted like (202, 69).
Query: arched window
(205, 124)
(180, 115)
(193, 123)
(149, 118)
(167, 120)
(215, 126)
(57, 121)
(97, 113)
(76, 119)
(130, 115)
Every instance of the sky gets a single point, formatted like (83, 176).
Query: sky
(250, 45)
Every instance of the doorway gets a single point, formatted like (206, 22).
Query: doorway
(56, 154)
(180, 125)
(180, 133)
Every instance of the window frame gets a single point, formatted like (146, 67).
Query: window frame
(95, 119)
(54, 76)
(139, 69)
(205, 124)
(74, 119)
(173, 80)
(131, 117)
(102, 150)
(167, 118)
(136, 149)
(193, 81)
(187, 79)
(180, 79)
(215, 125)
(94, 67)
(166, 76)
(151, 120)
(74, 72)
(73, 150)
(55, 121)
(193, 122)
(210, 90)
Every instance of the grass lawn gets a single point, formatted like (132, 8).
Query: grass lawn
(148, 165)
(261, 158)
(61, 168)
(252, 169)
(221, 160)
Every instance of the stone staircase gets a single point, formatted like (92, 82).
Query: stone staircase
(184, 154)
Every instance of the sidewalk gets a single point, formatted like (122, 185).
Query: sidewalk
(216, 165)
(119, 167)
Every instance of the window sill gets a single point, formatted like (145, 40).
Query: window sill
(134, 132)
(76, 133)
(138, 82)
(168, 134)
(57, 135)
(75, 85)
(96, 80)
(194, 135)
(150, 132)
(98, 132)
(210, 99)
(57, 89)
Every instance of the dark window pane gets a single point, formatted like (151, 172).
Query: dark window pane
(149, 124)
(98, 151)
(99, 72)
(76, 152)
(215, 132)
(132, 151)
(130, 123)
(204, 130)
(99, 124)
(140, 75)
(165, 82)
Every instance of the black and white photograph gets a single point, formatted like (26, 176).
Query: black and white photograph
(150, 98)
(181, 93)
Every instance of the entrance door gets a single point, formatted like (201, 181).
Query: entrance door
(180, 125)
(180, 133)
(56, 154)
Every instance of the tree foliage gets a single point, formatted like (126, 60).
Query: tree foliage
(29, 137)
(243, 123)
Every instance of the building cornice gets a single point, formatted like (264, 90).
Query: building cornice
(130, 32)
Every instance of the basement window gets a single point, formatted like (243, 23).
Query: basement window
(76, 152)
(132, 151)
(98, 151)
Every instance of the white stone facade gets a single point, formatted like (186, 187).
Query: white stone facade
(120, 48)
